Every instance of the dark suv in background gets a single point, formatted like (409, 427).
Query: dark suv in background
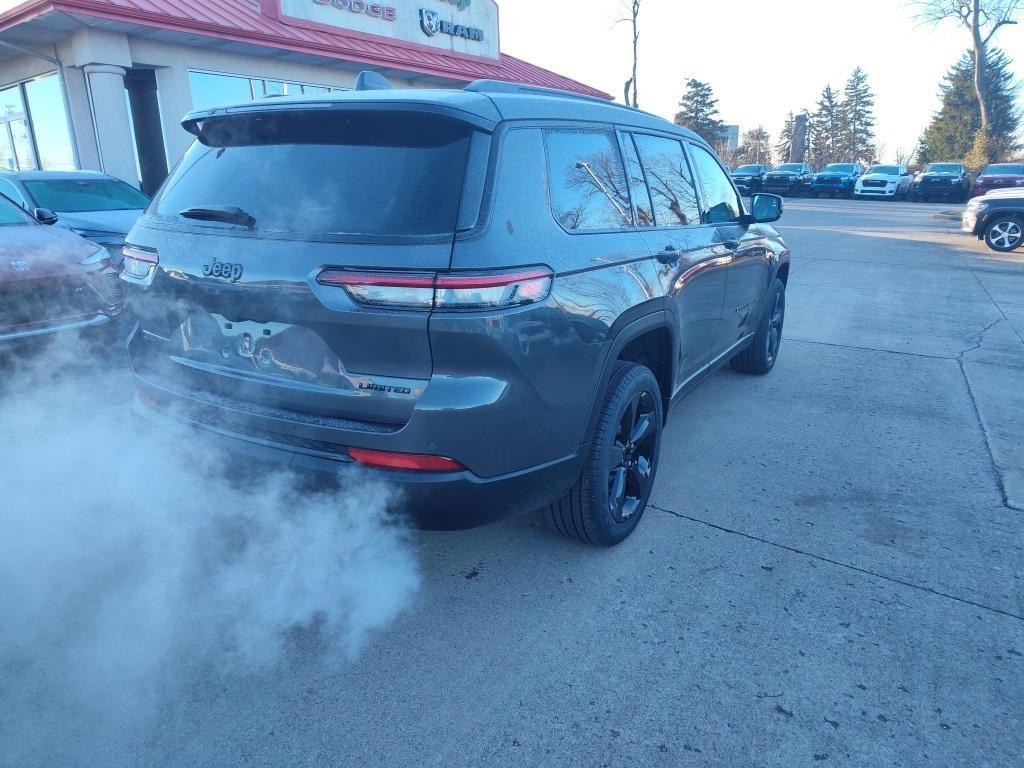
(750, 178)
(490, 297)
(948, 181)
(789, 179)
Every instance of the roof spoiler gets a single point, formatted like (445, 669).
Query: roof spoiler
(372, 81)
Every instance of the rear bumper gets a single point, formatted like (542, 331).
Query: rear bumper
(433, 500)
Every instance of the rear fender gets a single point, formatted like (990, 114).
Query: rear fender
(625, 330)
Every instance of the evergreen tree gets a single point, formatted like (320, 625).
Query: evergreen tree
(954, 130)
(827, 130)
(756, 147)
(922, 153)
(858, 116)
(698, 111)
(784, 147)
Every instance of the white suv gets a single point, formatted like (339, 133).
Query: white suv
(889, 181)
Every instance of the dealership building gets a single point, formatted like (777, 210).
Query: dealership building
(102, 84)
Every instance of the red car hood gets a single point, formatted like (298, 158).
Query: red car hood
(999, 181)
(33, 251)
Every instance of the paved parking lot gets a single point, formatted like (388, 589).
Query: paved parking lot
(832, 573)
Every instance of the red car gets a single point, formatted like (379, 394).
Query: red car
(1000, 176)
(51, 280)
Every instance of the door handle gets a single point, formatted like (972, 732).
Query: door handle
(669, 256)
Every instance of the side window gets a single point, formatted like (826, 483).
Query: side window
(7, 188)
(721, 205)
(637, 184)
(669, 180)
(587, 181)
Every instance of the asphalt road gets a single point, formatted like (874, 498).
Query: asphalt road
(832, 572)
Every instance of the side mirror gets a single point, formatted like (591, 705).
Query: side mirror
(44, 216)
(765, 208)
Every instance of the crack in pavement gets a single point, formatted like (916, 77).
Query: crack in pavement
(997, 472)
(839, 563)
(872, 349)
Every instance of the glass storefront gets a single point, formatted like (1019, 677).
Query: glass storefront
(210, 89)
(34, 127)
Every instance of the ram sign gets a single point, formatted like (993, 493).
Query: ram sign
(462, 26)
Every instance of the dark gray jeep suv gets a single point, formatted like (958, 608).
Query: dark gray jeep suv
(490, 297)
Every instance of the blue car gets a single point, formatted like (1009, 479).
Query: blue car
(836, 180)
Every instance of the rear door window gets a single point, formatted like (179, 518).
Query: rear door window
(587, 181)
(669, 180)
(643, 210)
(721, 204)
(345, 174)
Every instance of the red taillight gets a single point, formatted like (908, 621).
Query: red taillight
(444, 291)
(389, 460)
(139, 263)
(412, 291)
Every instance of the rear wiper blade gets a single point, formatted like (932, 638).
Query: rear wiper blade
(227, 213)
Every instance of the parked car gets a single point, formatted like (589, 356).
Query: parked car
(890, 182)
(836, 179)
(997, 218)
(94, 205)
(949, 181)
(750, 178)
(999, 176)
(389, 326)
(51, 280)
(789, 179)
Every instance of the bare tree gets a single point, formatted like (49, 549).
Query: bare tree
(982, 18)
(903, 156)
(632, 7)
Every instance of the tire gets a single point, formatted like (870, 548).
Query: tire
(1004, 234)
(616, 460)
(759, 358)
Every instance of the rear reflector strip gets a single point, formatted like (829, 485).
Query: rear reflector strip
(389, 460)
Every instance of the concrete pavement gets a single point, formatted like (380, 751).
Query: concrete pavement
(832, 572)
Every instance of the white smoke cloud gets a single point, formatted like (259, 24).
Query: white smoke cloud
(125, 557)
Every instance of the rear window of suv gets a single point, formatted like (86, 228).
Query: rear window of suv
(358, 174)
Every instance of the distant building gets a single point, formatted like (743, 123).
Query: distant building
(731, 137)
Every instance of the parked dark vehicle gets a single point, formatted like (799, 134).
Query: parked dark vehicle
(945, 181)
(410, 301)
(51, 280)
(98, 207)
(750, 178)
(999, 176)
(997, 218)
(836, 180)
(792, 179)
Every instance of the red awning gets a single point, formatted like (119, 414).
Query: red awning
(243, 21)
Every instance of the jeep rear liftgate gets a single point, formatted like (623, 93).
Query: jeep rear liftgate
(302, 272)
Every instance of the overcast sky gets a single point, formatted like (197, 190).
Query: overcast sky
(762, 58)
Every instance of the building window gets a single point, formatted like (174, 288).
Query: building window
(34, 127)
(210, 90)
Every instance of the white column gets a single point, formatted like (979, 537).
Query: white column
(110, 116)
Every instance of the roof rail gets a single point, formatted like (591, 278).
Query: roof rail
(504, 86)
